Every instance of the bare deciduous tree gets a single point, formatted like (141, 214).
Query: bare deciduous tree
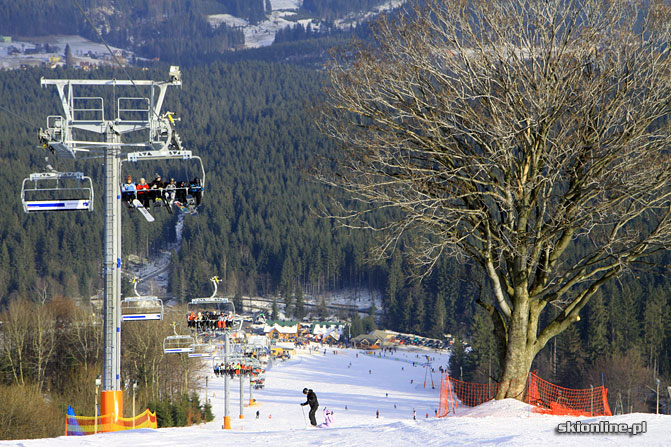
(529, 137)
(15, 339)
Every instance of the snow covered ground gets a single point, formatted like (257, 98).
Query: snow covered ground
(343, 379)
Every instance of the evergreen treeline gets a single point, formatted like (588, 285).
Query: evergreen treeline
(330, 9)
(258, 227)
(258, 231)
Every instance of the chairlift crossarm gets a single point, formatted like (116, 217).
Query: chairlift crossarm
(210, 300)
(160, 155)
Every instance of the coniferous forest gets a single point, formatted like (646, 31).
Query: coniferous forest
(259, 230)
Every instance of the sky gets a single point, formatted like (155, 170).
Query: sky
(355, 386)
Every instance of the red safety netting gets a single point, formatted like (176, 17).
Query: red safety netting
(546, 397)
(549, 398)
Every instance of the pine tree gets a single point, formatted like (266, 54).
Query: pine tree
(69, 59)
(238, 302)
(598, 328)
(394, 285)
(483, 355)
(322, 310)
(274, 311)
(300, 302)
(437, 317)
(571, 358)
(653, 326)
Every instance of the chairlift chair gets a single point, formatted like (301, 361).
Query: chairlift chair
(213, 304)
(201, 350)
(57, 191)
(176, 153)
(177, 344)
(141, 308)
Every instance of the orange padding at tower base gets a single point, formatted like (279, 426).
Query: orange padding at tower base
(546, 397)
(88, 425)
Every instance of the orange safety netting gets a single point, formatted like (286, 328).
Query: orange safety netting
(88, 425)
(546, 397)
(549, 398)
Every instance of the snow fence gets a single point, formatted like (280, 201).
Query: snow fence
(88, 425)
(545, 397)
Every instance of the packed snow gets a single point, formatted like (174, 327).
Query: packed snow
(355, 386)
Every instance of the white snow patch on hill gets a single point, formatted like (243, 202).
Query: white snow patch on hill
(279, 5)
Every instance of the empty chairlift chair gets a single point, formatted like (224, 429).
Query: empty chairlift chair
(57, 191)
(177, 344)
(201, 350)
(141, 308)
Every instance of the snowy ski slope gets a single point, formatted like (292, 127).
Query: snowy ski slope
(337, 384)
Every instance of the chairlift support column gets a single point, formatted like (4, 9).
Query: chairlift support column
(227, 417)
(112, 268)
(59, 137)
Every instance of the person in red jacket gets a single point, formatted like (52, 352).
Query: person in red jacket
(143, 192)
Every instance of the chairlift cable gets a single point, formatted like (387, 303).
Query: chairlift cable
(110, 50)
(32, 123)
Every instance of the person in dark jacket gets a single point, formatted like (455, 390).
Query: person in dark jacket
(314, 404)
(196, 190)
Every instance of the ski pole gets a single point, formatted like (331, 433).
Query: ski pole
(305, 421)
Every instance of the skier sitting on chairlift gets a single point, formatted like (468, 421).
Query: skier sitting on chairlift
(196, 190)
(180, 194)
(128, 191)
(156, 187)
(170, 191)
(143, 192)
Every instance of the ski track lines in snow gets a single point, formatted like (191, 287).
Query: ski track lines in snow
(282, 421)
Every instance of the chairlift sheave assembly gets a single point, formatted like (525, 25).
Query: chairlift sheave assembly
(57, 191)
(141, 308)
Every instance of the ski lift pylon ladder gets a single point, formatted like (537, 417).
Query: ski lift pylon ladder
(54, 191)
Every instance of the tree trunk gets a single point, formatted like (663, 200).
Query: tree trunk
(520, 351)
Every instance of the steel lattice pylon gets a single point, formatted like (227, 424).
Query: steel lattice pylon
(86, 115)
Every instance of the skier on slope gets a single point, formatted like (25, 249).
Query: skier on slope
(314, 404)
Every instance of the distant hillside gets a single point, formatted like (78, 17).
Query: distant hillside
(184, 32)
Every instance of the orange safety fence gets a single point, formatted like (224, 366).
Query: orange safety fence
(88, 425)
(545, 397)
(549, 398)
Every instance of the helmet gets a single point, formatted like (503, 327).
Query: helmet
(305, 391)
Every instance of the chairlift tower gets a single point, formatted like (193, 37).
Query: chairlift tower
(84, 131)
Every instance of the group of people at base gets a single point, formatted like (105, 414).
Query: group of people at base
(158, 192)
